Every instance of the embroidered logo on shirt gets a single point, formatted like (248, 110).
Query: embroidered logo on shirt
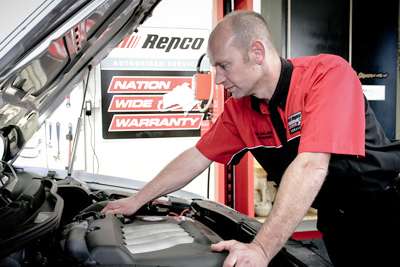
(264, 135)
(294, 122)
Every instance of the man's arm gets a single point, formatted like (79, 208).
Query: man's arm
(299, 186)
(174, 176)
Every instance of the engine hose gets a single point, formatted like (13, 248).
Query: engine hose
(75, 244)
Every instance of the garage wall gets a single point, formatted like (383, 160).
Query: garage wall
(274, 13)
(139, 158)
(143, 158)
(365, 32)
(374, 56)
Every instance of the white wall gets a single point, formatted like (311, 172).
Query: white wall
(139, 159)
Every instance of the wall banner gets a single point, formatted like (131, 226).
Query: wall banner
(148, 104)
(146, 84)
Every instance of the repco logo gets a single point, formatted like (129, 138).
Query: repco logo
(154, 41)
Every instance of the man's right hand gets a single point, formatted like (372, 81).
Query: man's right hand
(125, 206)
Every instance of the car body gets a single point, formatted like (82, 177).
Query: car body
(54, 219)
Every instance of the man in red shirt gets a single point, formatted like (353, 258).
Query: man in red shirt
(306, 121)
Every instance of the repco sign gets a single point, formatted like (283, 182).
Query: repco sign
(154, 41)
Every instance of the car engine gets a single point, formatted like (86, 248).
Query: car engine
(47, 221)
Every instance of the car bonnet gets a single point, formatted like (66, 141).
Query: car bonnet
(52, 49)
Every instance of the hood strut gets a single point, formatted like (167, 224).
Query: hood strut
(78, 125)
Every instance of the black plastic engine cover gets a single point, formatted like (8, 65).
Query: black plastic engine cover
(34, 210)
(144, 241)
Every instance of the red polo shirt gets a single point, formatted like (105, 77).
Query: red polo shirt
(322, 110)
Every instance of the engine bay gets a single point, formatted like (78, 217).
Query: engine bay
(47, 221)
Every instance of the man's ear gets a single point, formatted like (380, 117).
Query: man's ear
(257, 50)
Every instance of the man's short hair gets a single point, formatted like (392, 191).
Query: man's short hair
(247, 26)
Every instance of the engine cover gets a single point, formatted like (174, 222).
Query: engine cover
(143, 241)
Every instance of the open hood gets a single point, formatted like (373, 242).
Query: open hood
(49, 52)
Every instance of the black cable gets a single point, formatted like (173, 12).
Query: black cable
(208, 181)
(85, 90)
(93, 150)
(199, 62)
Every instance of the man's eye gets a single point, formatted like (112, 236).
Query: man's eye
(224, 66)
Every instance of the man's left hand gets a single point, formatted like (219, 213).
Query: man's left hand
(241, 254)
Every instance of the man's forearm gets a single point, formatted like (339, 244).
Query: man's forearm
(299, 187)
(174, 176)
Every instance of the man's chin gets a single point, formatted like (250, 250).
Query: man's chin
(237, 96)
(236, 93)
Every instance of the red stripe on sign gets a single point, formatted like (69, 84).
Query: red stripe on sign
(122, 44)
(146, 84)
(136, 41)
(155, 122)
(131, 40)
(132, 103)
(125, 103)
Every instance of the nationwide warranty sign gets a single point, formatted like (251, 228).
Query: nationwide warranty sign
(135, 105)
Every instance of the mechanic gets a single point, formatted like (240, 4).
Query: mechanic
(308, 124)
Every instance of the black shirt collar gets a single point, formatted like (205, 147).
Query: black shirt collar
(282, 88)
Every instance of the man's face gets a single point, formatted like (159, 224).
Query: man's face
(234, 69)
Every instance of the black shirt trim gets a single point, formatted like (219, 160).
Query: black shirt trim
(278, 99)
